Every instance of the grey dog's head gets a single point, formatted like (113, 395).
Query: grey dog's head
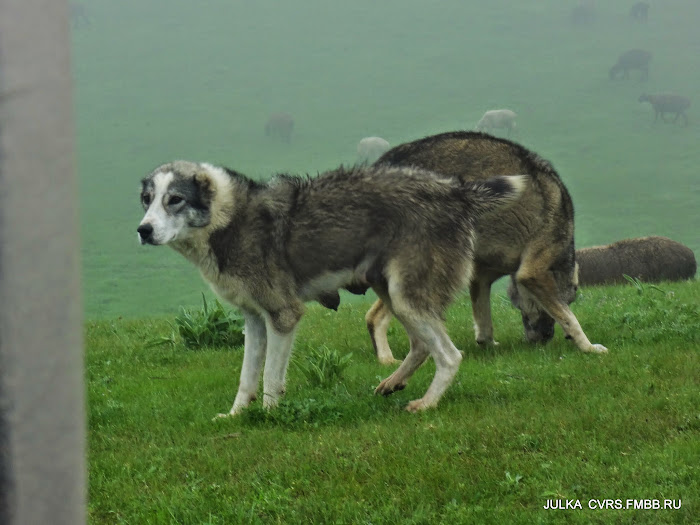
(178, 199)
(538, 324)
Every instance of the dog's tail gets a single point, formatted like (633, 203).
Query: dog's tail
(497, 192)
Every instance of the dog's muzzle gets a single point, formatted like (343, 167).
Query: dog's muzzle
(540, 331)
(145, 232)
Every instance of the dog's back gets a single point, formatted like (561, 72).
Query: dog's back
(543, 215)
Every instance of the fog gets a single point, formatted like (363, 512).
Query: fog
(172, 79)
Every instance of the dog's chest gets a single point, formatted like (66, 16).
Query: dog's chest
(231, 288)
(226, 285)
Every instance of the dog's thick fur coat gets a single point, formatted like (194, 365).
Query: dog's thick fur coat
(268, 248)
(533, 240)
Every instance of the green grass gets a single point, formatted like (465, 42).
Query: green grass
(167, 79)
(520, 424)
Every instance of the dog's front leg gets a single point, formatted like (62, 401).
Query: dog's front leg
(279, 349)
(253, 357)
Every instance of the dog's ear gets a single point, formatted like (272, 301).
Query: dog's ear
(205, 187)
(199, 214)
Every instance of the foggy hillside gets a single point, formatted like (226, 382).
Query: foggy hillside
(174, 79)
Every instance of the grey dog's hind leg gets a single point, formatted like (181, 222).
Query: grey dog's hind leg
(417, 354)
(279, 350)
(428, 336)
(447, 359)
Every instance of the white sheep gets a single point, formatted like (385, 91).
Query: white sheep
(497, 118)
(370, 149)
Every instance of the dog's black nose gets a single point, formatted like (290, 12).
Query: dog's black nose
(145, 231)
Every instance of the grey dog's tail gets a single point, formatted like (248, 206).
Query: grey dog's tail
(497, 192)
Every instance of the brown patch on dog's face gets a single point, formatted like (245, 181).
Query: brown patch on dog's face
(539, 328)
(537, 323)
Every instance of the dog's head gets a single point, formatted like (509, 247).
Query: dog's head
(538, 324)
(181, 198)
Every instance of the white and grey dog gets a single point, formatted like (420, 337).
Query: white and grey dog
(268, 248)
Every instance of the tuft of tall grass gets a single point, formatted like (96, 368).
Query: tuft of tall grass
(640, 285)
(211, 326)
(323, 367)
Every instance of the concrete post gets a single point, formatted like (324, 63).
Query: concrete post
(42, 421)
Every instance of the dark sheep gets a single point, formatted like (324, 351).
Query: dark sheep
(649, 259)
(667, 103)
(280, 126)
(639, 11)
(632, 59)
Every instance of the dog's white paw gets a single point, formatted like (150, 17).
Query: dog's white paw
(270, 401)
(417, 405)
(219, 417)
(389, 361)
(598, 349)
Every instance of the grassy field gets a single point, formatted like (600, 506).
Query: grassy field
(520, 425)
(167, 79)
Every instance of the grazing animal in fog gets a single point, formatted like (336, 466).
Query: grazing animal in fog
(532, 241)
(497, 119)
(268, 248)
(667, 103)
(370, 149)
(632, 59)
(639, 11)
(280, 126)
(649, 259)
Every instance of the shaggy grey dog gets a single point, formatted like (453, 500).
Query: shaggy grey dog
(268, 248)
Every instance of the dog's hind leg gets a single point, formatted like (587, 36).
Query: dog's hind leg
(480, 295)
(279, 350)
(417, 354)
(378, 318)
(419, 340)
(428, 337)
(542, 286)
(447, 359)
(253, 357)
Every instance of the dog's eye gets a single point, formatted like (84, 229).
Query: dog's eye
(174, 200)
(146, 199)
